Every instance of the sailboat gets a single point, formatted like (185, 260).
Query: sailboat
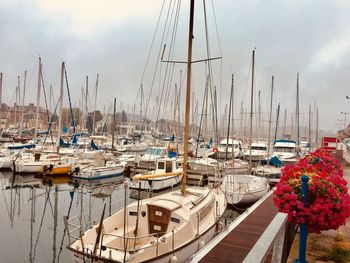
(247, 188)
(145, 185)
(170, 226)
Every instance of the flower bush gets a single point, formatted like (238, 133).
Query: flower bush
(328, 199)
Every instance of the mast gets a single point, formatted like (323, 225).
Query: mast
(277, 118)
(297, 111)
(251, 114)
(22, 108)
(188, 96)
(310, 126)
(113, 123)
(86, 101)
(270, 117)
(259, 118)
(284, 124)
(38, 99)
(229, 119)
(16, 101)
(94, 114)
(61, 105)
(316, 135)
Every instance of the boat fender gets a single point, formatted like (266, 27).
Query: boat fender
(76, 170)
(215, 150)
(173, 259)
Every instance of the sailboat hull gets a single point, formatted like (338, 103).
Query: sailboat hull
(182, 254)
(192, 224)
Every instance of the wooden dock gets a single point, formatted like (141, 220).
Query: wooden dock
(236, 242)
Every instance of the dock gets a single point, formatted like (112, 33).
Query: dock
(260, 232)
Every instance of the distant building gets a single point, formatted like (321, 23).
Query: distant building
(11, 117)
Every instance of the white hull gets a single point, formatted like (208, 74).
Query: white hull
(191, 223)
(244, 189)
(157, 184)
(100, 173)
(182, 254)
(256, 156)
(6, 163)
(222, 154)
(29, 167)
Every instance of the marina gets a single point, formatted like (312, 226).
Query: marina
(203, 154)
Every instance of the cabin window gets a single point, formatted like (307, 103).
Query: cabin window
(132, 213)
(175, 220)
(143, 213)
(158, 213)
(161, 165)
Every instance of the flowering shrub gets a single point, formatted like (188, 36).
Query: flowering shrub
(328, 199)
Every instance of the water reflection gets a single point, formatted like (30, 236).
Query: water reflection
(33, 210)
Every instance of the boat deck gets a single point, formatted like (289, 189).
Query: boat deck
(238, 243)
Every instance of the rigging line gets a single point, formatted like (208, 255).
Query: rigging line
(168, 76)
(157, 61)
(214, 110)
(201, 122)
(107, 116)
(41, 224)
(177, 14)
(52, 118)
(45, 97)
(151, 47)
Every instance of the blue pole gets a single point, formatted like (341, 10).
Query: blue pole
(303, 227)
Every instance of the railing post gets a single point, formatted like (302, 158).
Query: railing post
(303, 227)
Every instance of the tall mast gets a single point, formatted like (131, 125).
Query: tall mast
(270, 118)
(188, 96)
(59, 131)
(113, 122)
(297, 111)
(229, 118)
(38, 99)
(16, 100)
(310, 126)
(259, 119)
(94, 114)
(284, 124)
(277, 119)
(316, 134)
(86, 100)
(23, 96)
(251, 114)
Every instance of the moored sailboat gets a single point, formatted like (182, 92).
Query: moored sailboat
(171, 226)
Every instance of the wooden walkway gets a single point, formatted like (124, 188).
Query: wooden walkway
(237, 244)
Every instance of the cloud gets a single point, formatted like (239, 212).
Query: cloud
(332, 52)
(88, 17)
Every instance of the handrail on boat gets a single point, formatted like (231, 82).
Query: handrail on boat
(127, 238)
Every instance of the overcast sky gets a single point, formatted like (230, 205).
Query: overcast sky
(113, 37)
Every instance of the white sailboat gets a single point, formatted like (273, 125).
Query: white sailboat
(246, 188)
(167, 228)
(144, 185)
